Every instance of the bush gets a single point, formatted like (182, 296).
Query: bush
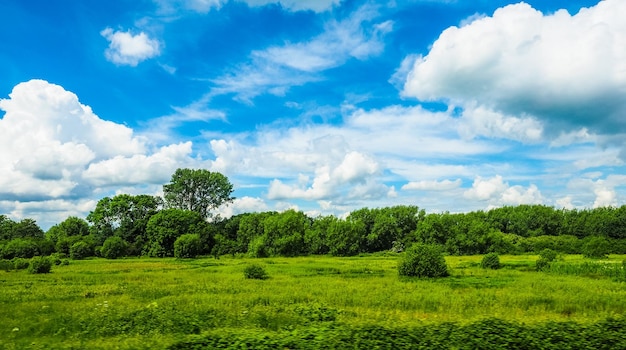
(491, 261)
(423, 260)
(187, 246)
(20, 263)
(80, 250)
(39, 264)
(596, 248)
(548, 254)
(255, 271)
(542, 264)
(6, 265)
(20, 248)
(113, 248)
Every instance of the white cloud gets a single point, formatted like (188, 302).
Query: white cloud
(355, 174)
(497, 192)
(479, 121)
(568, 71)
(275, 69)
(54, 151)
(298, 5)
(425, 185)
(128, 49)
(241, 205)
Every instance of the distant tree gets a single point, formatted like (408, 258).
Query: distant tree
(596, 247)
(125, 216)
(27, 228)
(187, 246)
(167, 225)
(114, 247)
(81, 250)
(72, 226)
(197, 190)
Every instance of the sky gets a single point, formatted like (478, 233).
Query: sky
(323, 106)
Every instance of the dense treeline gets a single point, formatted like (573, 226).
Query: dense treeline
(143, 225)
(182, 224)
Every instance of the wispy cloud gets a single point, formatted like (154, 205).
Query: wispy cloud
(276, 69)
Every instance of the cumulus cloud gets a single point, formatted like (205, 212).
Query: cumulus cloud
(567, 71)
(128, 49)
(355, 169)
(241, 205)
(53, 149)
(276, 69)
(498, 193)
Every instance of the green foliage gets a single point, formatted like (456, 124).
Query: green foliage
(423, 260)
(548, 254)
(197, 190)
(125, 216)
(542, 264)
(20, 248)
(40, 264)
(489, 333)
(113, 248)
(167, 225)
(491, 261)
(255, 271)
(187, 246)
(20, 263)
(81, 250)
(596, 247)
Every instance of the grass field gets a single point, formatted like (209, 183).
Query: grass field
(153, 303)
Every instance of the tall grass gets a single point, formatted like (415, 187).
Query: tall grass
(151, 303)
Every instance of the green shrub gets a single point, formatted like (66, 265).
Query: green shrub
(255, 271)
(491, 261)
(6, 265)
(20, 263)
(40, 264)
(80, 250)
(113, 248)
(187, 246)
(423, 260)
(596, 247)
(20, 248)
(548, 254)
(542, 264)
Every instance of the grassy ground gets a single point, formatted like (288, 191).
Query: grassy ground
(151, 303)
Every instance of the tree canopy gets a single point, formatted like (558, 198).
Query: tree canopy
(197, 190)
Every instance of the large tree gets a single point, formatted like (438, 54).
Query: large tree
(197, 190)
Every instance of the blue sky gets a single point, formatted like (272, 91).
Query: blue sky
(325, 106)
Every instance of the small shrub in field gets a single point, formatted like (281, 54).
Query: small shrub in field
(542, 264)
(65, 262)
(40, 264)
(491, 261)
(255, 271)
(548, 254)
(6, 265)
(423, 260)
(80, 250)
(113, 248)
(187, 246)
(20, 263)
(596, 248)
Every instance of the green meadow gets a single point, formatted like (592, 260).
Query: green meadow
(198, 303)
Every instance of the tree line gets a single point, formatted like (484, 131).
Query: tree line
(183, 224)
